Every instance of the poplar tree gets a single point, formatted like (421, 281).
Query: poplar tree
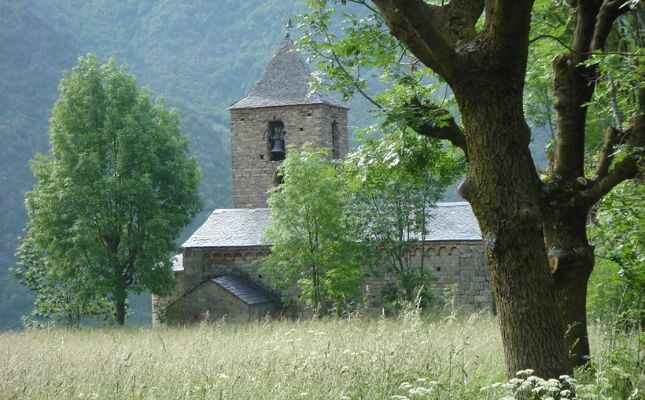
(115, 189)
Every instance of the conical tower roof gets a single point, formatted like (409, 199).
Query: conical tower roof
(285, 82)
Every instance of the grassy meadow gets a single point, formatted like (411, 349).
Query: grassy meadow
(408, 357)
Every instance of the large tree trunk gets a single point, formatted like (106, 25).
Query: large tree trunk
(572, 261)
(505, 193)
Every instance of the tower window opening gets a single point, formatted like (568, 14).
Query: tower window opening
(335, 142)
(276, 141)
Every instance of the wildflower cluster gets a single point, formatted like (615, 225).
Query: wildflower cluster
(532, 387)
(420, 389)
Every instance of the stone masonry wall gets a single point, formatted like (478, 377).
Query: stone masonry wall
(201, 264)
(209, 299)
(460, 269)
(253, 171)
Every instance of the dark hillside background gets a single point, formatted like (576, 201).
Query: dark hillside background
(200, 55)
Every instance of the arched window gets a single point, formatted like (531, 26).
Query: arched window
(276, 141)
(335, 141)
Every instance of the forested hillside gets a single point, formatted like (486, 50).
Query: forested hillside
(33, 54)
(201, 56)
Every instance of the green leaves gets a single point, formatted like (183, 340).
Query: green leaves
(346, 63)
(395, 180)
(116, 187)
(61, 298)
(313, 242)
(618, 237)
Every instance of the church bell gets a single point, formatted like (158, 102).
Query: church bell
(277, 149)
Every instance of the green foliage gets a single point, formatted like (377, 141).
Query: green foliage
(116, 187)
(605, 290)
(548, 23)
(311, 233)
(63, 299)
(620, 72)
(346, 61)
(617, 234)
(364, 57)
(395, 180)
(395, 175)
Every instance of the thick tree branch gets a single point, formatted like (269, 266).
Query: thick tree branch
(432, 32)
(448, 129)
(461, 16)
(574, 85)
(508, 24)
(612, 136)
(626, 168)
(585, 14)
(609, 11)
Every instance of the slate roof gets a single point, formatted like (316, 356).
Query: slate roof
(243, 227)
(242, 289)
(452, 221)
(233, 227)
(285, 82)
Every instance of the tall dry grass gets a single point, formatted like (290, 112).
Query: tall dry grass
(403, 358)
(313, 359)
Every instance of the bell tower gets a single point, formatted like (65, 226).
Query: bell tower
(280, 111)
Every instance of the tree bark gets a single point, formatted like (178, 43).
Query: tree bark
(119, 314)
(566, 239)
(504, 191)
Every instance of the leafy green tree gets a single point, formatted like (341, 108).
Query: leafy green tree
(115, 188)
(63, 300)
(395, 181)
(311, 233)
(534, 228)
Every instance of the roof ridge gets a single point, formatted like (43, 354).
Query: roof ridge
(285, 81)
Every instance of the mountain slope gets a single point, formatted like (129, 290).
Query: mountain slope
(33, 55)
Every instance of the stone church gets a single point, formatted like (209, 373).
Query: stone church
(216, 274)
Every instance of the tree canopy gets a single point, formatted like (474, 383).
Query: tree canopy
(116, 187)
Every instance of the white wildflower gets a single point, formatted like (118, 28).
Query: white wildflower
(524, 372)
